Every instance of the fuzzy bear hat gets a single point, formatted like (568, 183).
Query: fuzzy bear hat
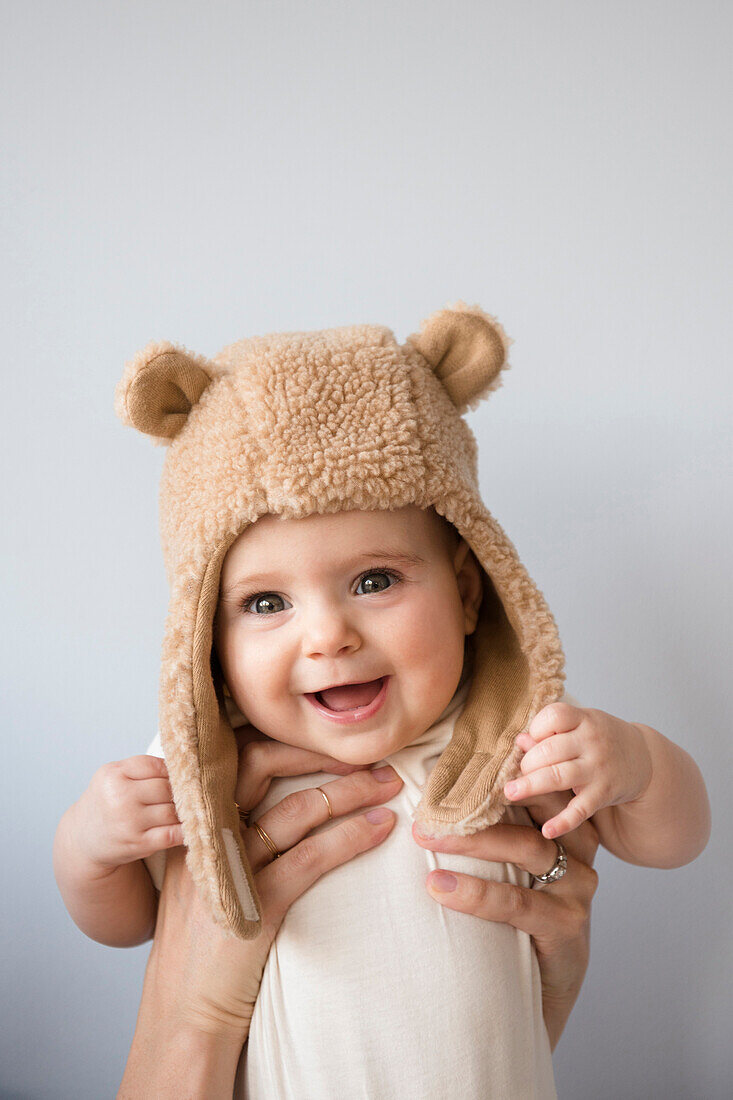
(299, 422)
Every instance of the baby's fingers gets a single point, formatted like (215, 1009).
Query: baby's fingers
(553, 750)
(143, 767)
(558, 777)
(160, 828)
(153, 792)
(163, 836)
(555, 718)
(578, 810)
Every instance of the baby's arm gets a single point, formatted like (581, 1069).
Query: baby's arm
(645, 795)
(126, 814)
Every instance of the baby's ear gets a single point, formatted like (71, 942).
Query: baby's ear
(159, 387)
(467, 348)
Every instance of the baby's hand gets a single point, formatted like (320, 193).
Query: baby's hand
(127, 812)
(603, 760)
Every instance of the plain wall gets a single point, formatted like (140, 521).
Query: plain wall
(205, 172)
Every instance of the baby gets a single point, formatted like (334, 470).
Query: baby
(381, 601)
(352, 633)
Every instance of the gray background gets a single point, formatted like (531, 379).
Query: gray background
(204, 172)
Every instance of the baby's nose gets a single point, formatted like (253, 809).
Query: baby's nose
(331, 634)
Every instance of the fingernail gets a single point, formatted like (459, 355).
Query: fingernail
(511, 789)
(385, 774)
(443, 881)
(378, 816)
(423, 836)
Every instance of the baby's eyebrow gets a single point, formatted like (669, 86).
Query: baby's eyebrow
(398, 557)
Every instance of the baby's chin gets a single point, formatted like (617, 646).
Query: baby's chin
(364, 749)
(359, 749)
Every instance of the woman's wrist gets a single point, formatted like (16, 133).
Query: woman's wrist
(170, 1057)
(556, 1014)
(563, 966)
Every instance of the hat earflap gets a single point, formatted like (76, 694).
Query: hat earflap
(467, 348)
(159, 387)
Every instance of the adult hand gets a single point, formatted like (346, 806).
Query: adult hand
(201, 982)
(556, 915)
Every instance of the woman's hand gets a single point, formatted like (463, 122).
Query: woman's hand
(556, 915)
(226, 989)
(201, 982)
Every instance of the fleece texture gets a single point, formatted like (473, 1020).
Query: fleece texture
(340, 419)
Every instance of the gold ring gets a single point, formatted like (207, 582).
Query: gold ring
(330, 811)
(244, 815)
(266, 839)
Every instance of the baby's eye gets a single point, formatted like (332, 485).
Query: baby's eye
(367, 579)
(264, 603)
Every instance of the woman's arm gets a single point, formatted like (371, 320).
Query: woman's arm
(169, 1059)
(178, 1064)
(185, 1043)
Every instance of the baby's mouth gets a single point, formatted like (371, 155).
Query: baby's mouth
(349, 696)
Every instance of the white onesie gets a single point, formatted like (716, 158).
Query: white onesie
(372, 990)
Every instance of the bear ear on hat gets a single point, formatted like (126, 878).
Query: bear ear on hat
(159, 387)
(467, 348)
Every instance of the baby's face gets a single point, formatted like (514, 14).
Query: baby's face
(346, 598)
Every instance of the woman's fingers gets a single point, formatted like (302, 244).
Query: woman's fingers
(260, 761)
(246, 735)
(299, 812)
(522, 845)
(526, 847)
(283, 880)
(549, 915)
